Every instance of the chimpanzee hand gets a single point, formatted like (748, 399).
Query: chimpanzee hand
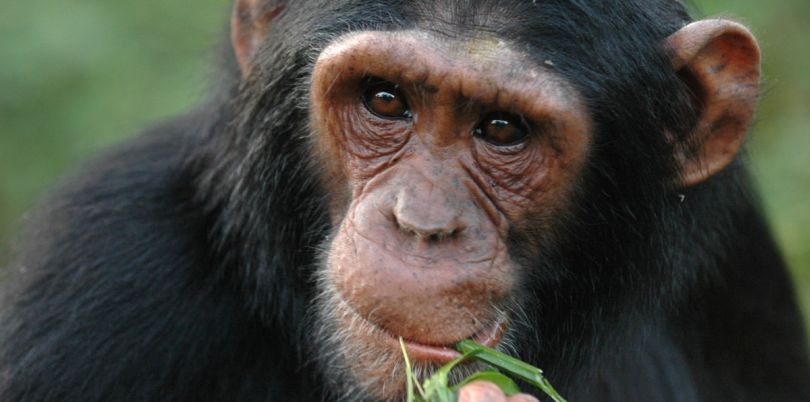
(483, 391)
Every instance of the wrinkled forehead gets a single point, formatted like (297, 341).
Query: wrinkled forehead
(481, 66)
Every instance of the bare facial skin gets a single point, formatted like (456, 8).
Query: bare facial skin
(434, 152)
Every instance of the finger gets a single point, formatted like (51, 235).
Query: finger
(481, 391)
(522, 398)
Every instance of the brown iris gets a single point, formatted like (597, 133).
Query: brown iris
(502, 129)
(384, 99)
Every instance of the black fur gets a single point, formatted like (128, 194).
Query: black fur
(179, 266)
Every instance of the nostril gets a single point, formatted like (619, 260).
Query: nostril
(431, 233)
(435, 237)
(442, 235)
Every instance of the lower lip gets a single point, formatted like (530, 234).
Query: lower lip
(444, 354)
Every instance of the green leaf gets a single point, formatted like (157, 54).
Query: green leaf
(509, 364)
(503, 382)
(437, 388)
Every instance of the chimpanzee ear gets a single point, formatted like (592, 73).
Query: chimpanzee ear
(249, 24)
(719, 60)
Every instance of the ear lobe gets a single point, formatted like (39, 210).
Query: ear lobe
(720, 61)
(250, 21)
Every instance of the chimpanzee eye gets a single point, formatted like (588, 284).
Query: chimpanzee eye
(384, 99)
(502, 129)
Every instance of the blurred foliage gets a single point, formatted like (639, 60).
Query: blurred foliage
(77, 75)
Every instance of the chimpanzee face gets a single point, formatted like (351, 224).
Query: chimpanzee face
(433, 152)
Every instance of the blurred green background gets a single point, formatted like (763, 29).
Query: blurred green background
(78, 75)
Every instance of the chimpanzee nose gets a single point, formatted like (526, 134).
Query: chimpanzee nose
(427, 213)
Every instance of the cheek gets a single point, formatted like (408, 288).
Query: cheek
(538, 179)
(357, 145)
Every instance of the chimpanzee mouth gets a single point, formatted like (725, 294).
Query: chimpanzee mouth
(489, 337)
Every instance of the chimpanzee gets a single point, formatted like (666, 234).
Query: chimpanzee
(555, 178)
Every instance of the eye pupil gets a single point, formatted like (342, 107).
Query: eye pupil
(502, 130)
(384, 99)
